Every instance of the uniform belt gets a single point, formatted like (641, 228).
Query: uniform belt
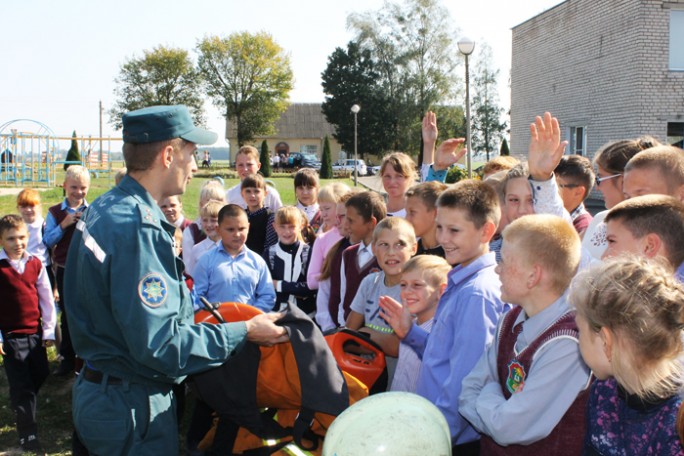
(95, 376)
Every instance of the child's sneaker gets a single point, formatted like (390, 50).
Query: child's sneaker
(30, 444)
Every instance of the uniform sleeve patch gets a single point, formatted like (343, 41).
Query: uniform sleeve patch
(152, 290)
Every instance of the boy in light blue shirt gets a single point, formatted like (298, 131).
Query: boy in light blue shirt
(230, 272)
(468, 311)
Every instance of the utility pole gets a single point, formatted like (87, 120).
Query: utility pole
(100, 158)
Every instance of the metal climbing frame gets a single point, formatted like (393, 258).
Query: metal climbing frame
(27, 156)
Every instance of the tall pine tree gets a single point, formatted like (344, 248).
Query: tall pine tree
(265, 159)
(73, 155)
(326, 160)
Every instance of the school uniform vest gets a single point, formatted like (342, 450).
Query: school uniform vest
(335, 280)
(355, 274)
(19, 311)
(197, 234)
(567, 437)
(186, 223)
(258, 224)
(59, 253)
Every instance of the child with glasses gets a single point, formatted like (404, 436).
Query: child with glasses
(575, 177)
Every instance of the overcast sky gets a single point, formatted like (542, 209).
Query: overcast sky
(59, 59)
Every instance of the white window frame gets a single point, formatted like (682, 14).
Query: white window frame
(572, 146)
(676, 48)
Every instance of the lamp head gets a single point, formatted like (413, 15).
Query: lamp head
(355, 109)
(466, 46)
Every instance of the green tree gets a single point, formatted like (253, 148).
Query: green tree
(248, 77)
(413, 48)
(265, 159)
(326, 160)
(488, 127)
(163, 76)
(505, 151)
(73, 155)
(350, 78)
(455, 174)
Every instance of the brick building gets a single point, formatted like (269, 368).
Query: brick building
(608, 70)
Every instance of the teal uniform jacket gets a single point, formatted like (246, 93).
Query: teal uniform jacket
(130, 312)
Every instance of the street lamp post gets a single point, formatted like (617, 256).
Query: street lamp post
(466, 46)
(355, 109)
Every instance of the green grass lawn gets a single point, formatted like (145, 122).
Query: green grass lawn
(54, 399)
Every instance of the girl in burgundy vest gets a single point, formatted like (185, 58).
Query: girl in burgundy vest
(630, 314)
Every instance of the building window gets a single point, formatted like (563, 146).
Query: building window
(309, 149)
(675, 133)
(677, 40)
(578, 140)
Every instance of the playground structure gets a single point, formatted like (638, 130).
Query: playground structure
(30, 153)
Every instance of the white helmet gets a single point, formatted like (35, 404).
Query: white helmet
(394, 423)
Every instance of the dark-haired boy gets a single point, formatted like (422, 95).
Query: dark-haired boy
(421, 211)
(27, 325)
(575, 178)
(363, 212)
(649, 226)
(261, 234)
(468, 311)
(231, 271)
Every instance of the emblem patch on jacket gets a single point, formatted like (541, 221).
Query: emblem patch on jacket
(516, 377)
(152, 290)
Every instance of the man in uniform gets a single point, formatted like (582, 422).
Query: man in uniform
(132, 315)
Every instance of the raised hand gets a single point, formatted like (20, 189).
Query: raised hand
(449, 153)
(396, 315)
(429, 136)
(546, 148)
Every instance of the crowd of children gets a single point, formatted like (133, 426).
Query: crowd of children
(488, 297)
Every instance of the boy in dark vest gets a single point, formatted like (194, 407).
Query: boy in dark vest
(27, 325)
(59, 228)
(527, 394)
(363, 212)
(262, 234)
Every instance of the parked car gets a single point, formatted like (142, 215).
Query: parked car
(348, 165)
(303, 160)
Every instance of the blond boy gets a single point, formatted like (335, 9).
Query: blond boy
(209, 214)
(393, 243)
(525, 389)
(246, 163)
(59, 229)
(658, 170)
(423, 282)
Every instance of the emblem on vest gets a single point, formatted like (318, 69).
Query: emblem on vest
(516, 377)
(152, 290)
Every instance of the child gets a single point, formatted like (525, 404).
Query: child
(172, 207)
(306, 190)
(247, 163)
(328, 235)
(398, 173)
(527, 393)
(193, 233)
(630, 316)
(209, 215)
(328, 296)
(575, 178)
(28, 203)
(468, 311)
(328, 197)
(610, 161)
(363, 212)
(649, 226)
(231, 271)
(27, 326)
(497, 164)
(394, 243)
(261, 232)
(423, 282)
(658, 170)
(59, 229)
(287, 261)
(421, 213)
